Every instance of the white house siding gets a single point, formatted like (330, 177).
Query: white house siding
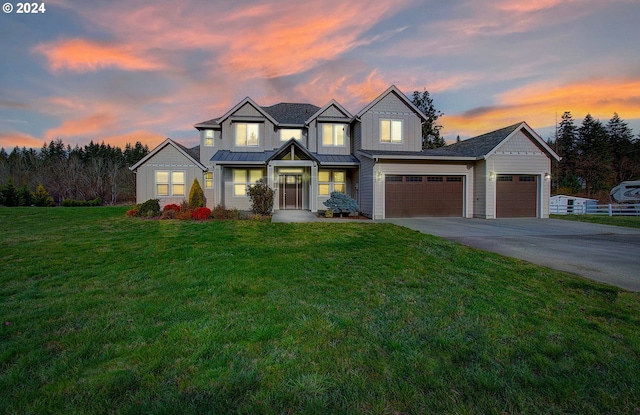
(167, 159)
(534, 164)
(391, 107)
(439, 169)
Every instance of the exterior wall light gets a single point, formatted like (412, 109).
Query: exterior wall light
(547, 176)
(492, 176)
(379, 176)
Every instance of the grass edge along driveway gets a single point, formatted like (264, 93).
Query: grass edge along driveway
(102, 314)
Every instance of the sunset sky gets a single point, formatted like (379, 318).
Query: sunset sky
(126, 71)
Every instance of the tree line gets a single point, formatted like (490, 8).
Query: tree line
(95, 171)
(595, 156)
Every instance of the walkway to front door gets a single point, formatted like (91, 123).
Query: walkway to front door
(290, 191)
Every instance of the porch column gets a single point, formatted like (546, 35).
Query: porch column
(313, 190)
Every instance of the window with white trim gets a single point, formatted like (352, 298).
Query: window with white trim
(208, 180)
(170, 183)
(287, 134)
(244, 178)
(208, 138)
(247, 135)
(333, 135)
(331, 181)
(391, 131)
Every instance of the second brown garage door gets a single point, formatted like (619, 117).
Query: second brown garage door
(516, 196)
(415, 196)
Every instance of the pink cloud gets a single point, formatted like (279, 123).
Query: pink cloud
(11, 139)
(81, 55)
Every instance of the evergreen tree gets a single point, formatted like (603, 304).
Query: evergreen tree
(622, 151)
(25, 198)
(42, 198)
(431, 137)
(594, 156)
(10, 195)
(196, 195)
(566, 147)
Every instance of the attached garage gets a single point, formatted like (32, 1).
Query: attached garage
(516, 196)
(420, 195)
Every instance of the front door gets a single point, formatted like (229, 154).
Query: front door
(291, 191)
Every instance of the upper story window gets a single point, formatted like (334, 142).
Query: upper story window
(247, 135)
(208, 138)
(287, 134)
(333, 135)
(169, 183)
(390, 131)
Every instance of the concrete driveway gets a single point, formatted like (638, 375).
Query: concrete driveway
(609, 254)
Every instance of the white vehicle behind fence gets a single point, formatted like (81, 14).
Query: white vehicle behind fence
(626, 192)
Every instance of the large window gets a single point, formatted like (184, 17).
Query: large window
(243, 178)
(331, 181)
(333, 135)
(287, 134)
(247, 135)
(208, 138)
(390, 131)
(169, 183)
(208, 180)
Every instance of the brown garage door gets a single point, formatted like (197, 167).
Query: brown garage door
(516, 196)
(414, 196)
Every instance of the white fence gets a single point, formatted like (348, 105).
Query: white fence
(604, 210)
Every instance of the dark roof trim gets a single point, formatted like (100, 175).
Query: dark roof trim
(286, 146)
(332, 103)
(403, 98)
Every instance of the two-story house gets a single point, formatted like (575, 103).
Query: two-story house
(305, 152)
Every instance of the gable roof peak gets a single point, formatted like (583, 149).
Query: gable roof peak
(393, 89)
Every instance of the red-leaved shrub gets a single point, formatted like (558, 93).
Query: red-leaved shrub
(201, 213)
(131, 213)
(173, 207)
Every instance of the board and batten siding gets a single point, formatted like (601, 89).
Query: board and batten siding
(391, 107)
(170, 159)
(538, 164)
(206, 152)
(231, 201)
(365, 193)
(480, 180)
(436, 169)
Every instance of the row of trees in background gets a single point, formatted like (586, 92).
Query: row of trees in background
(595, 156)
(95, 171)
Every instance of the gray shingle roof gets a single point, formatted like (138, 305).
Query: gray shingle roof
(476, 146)
(336, 158)
(290, 113)
(471, 148)
(193, 151)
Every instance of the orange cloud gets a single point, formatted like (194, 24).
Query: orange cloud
(80, 55)
(538, 104)
(299, 37)
(91, 125)
(12, 139)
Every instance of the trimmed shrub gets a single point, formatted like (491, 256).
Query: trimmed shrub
(196, 195)
(81, 203)
(340, 202)
(184, 214)
(170, 213)
(201, 213)
(41, 197)
(149, 209)
(261, 197)
(132, 213)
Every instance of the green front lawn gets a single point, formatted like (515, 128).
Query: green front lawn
(627, 221)
(106, 314)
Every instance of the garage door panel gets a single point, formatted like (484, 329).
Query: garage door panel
(516, 196)
(414, 196)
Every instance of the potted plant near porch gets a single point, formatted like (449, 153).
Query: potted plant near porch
(341, 204)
